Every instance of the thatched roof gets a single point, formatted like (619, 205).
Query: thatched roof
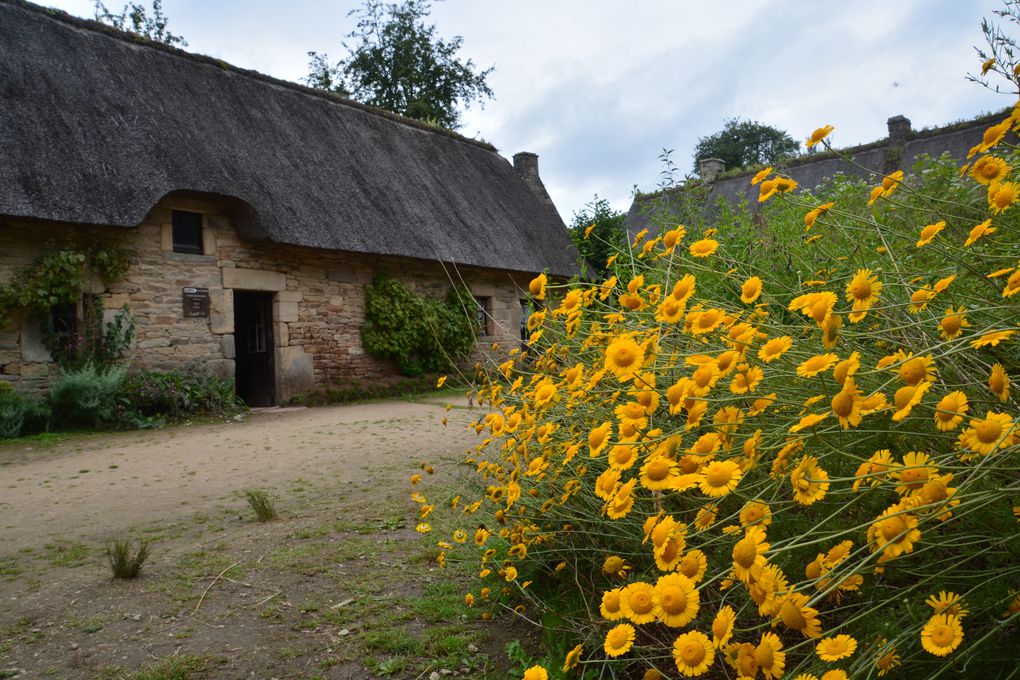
(96, 126)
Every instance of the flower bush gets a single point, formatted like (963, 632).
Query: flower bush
(739, 456)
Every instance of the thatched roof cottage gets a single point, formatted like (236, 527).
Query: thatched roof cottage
(277, 202)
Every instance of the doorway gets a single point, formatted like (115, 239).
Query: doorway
(255, 377)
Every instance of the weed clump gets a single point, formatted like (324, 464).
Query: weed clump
(261, 503)
(125, 563)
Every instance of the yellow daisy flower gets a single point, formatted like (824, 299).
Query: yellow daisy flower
(942, 634)
(693, 653)
(619, 640)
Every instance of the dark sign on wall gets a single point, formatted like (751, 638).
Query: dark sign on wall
(196, 301)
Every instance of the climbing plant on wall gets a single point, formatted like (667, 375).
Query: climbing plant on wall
(417, 333)
(59, 277)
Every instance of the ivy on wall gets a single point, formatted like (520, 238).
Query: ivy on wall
(59, 276)
(419, 334)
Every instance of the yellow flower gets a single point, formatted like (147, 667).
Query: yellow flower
(749, 554)
(993, 135)
(887, 658)
(906, 398)
(986, 66)
(846, 405)
(611, 607)
(1002, 195)
(771, 187)
(573, 656)
(998, 382)
(979, 231)
(1012, 285)
(818, 135)
(750, 290)
(947, 603)
(953, 323)
(722, 626)
(816, 364)
(693, 565)
(619, 640)
(916, 369)
(987, 434)
(622, 502)
(769, 657)
(808, 421)
(684, 288)
(704, 247)
(863, 291)
(637, 603)
(991, 339)
(894, 533)
(589, 229)
(624, 357)
(675, 600)
(775, 348)
(720, 478)
(812, 215)
(810, 482)
(950, 410)
(919, 299)
(795, 614)
(659, 473)
(914, 472)
(616, 566)
(693, 653)
(537, 286)
(929, 233)
(942, 634)
(989, 170)
(761, 175)
(755, 512)
(536, 673)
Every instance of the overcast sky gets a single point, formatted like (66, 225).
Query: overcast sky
(599, 88)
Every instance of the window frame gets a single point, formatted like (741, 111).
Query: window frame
(483, 315)
(187, 246)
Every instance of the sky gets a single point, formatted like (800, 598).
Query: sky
(600, 89)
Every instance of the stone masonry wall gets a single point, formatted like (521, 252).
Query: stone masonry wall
(318, 300)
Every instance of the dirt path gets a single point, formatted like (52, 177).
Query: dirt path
(339, 587)
(97, 487)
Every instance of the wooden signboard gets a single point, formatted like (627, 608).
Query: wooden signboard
(196, 301)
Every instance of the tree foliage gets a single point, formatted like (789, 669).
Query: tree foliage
(135, 18)
(399, 63)
(746, 142)
(605, 238)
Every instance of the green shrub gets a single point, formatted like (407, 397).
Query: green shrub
(154, 397)
(87, 397)
(261, 503)
(21, 414)
(123, 562)
(417, 333)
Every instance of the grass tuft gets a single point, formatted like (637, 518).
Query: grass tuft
(123, 563)
(261, 503)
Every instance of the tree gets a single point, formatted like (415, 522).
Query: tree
(608, 233)
(746, 142)
(400, 64)
(134, 18)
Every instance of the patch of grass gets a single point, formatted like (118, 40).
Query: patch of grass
(66, 554)
(93, 625)
(261, 503)
(442, 601)
(173, 668)
(123, 562)
(9, 568)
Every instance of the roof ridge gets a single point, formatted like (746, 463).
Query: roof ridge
(136, 39)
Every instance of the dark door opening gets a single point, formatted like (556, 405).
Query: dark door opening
(255, 378)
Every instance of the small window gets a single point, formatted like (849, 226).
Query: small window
(483, 315)
(187, 232)
(65, 325)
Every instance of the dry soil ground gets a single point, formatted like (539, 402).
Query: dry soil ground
(340, 586)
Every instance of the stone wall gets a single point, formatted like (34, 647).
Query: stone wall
(899, 151)
(318, 299)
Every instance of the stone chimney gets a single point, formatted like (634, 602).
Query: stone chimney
(526, 165)
(710, 168)
(899, 130)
